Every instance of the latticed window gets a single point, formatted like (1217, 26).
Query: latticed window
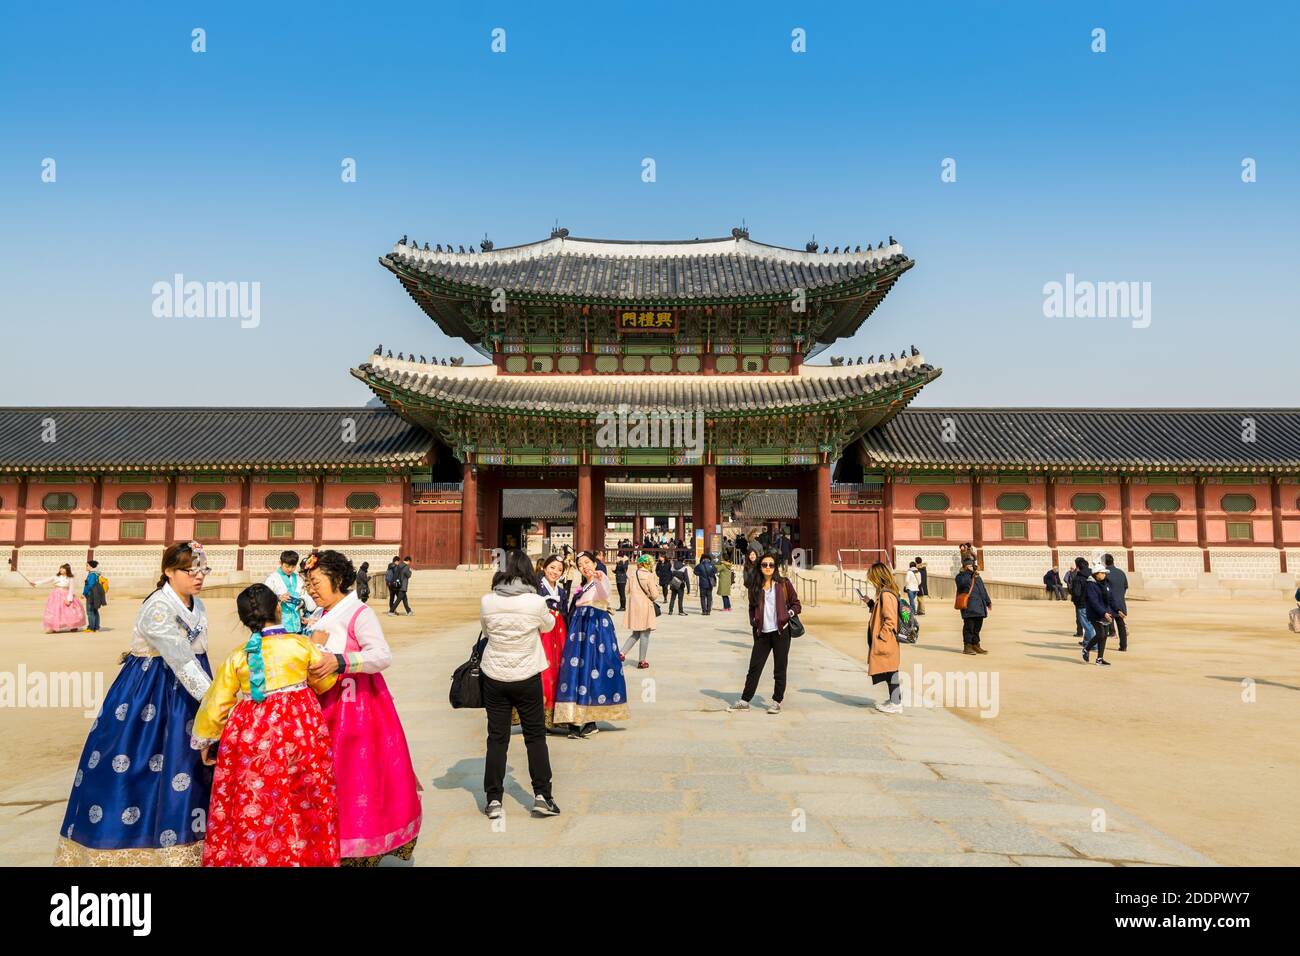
(1241, 531)
(59, 501)
(133, 501)
(281, 530)
(932, 501)
(1015, 530)
(1163, 503)
(363, 501)
(1087, 502)
(1013, 501)
(933, 530)
(132, 531)
(1238, 503)
(1164, 531)
(1087, 530)
(361, 528)
(58, 530)
(208, 501)
(207, 529)
(282, 501)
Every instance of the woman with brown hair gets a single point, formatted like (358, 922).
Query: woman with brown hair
(63, 612)
(883, 657)
(772, 602)
(140, 797)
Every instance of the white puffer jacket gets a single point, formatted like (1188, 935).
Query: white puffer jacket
(513, 627)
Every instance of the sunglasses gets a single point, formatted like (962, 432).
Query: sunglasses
(767, 564)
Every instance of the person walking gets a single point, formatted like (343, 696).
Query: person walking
(514, 616)
(725, 575)
(924, 592)
(620, 581)
(772, 602)
(1100, 612)
(1117, 585)
(912, 585)
(677, 583)
(707, 572)
(393, 581)
(641, 605)
(404, 585)
(1078, 583)
(363, 582)
(883, 654)
(93, 592)
(971, 586)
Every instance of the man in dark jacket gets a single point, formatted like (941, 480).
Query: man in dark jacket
(1052, 581)
(1097, 606)
(93, 592)
(1117, 584)
(1078, 581)
(404, 585)
(976, 609)
(393, 581)
(925, 585)
(620, 579)
(678, 579)
(707, 572)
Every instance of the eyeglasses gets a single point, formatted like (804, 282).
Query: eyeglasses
(767, 564)
(196, 572)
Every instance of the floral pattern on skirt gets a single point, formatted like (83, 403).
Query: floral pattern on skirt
(273, 800)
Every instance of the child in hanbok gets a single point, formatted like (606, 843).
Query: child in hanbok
(295, 603)
(551, 586)
(273, 801)
(591, 683)
(140, 797)
(378, 792)
(63, 610)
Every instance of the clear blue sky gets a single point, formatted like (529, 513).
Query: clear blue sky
(1122, 166)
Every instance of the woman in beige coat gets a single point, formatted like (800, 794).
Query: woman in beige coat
(643, 595)
(883, 657)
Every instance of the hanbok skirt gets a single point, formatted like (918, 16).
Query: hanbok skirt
(591, 685)
(140, 797)
(378, 794)
(273, 798)
(60, 615)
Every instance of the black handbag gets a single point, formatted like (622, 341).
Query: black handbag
(467, 680)
(795, 625)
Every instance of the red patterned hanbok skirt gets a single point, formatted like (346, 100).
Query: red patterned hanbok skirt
(273, 797)
(553, 644)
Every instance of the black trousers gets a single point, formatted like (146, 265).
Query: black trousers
(1121, 628)
(706, 600)
(524, 696)
(677, 596)
(401, 599)
(773, 643)
(622, 594)
(970, 629)
(1101, 631)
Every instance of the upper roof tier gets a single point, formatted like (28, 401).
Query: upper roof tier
(731, 270)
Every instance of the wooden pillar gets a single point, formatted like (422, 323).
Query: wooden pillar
(697, 505)
(469, 513)
(20, 523)
(1126, 516)
(1052, 540)
(96, 508)
(887, 522)
(169, 526)
(1202, 536)
(822, 548)
(708, 502)
(1275, 503)
(406, 536)
(598, 516)
(582, 533)
(245, 500)
(490, 487)
(977, 518)
(709, 365)
(318, 513)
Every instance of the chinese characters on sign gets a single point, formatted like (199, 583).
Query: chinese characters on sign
(644, 320)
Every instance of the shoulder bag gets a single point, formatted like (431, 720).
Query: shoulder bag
(467, 680)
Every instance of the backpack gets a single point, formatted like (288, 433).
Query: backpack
(908, 626)
(390, 576)
(1077, 584)
(103, 583)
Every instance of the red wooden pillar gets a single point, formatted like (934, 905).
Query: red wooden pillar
(708, 502)
(406, 536)
(20, 524)
(318, 513)
(697, 505)
(169, 526)
(977, 518)
(96, 507)
(1275, 496)
(598, 509)
(822, 549)
(887, 522)
(245, 500)
(469, 513)
(582, 526)
(1126, 516)
(1202, 536)
(1051, 522)
(490, 487)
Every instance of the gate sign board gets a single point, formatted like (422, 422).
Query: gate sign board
(648, 320)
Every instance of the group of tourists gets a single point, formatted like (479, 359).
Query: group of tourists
(64, 611)
(292, 754)
(1099, 594)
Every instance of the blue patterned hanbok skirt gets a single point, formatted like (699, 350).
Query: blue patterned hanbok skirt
(591, 685)
(140, 797)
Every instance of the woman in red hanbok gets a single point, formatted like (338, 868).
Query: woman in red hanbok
(550, 586)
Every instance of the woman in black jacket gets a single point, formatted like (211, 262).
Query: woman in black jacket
(362, 587)
(977, 607)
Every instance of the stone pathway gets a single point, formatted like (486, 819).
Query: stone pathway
(828, 782)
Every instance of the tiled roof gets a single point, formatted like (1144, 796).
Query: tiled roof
(54, 439)
(769, 504)
(702, 269)
(1145, 439)
(539, 505)
(620, 496)
(478, 388)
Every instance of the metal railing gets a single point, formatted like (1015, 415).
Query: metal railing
(807, 588)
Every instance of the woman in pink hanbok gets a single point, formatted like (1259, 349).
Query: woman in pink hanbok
(378, 792)
(63, 609)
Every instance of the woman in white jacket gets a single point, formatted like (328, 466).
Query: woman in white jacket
(514, 615)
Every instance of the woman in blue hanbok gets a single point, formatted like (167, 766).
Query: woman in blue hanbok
(590, 686)
(140, 796)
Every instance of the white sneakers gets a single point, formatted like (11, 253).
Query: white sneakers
(738, 705)
(885, 707)
(774, 707)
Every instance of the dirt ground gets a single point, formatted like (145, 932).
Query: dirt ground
(1166, 732)
(1163, 733)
